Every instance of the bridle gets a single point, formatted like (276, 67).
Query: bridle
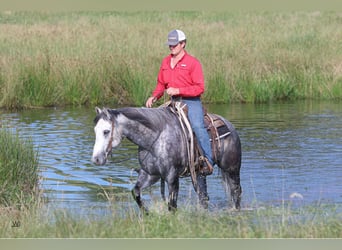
(109, 146)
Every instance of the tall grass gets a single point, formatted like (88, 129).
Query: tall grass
(18, 171)
(94, 58)
(318, 221)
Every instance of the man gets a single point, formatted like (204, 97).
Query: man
(182, 77)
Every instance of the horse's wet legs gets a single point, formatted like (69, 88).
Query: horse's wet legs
(162, 189)
(144, 180)
(137, 198)
(202, 191)
(173, 195)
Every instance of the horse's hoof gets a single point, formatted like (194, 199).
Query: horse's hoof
(144, 211)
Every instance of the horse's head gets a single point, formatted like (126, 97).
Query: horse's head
(107, 135)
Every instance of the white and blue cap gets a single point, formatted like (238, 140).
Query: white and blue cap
(175, 36)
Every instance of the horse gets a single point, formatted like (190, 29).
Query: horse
(162, 151)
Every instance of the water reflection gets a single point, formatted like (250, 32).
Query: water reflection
(287, 148)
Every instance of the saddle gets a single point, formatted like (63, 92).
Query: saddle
(216, 129)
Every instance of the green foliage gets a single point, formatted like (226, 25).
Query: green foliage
(316, 221)
(18, 170)
(99, 58)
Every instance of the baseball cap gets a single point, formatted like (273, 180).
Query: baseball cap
(175, 36)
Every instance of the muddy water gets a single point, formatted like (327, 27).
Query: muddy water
(292, 152)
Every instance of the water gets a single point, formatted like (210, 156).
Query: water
(292, 152)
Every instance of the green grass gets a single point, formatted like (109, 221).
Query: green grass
(107, 58)
(317, 221)
(18, 171)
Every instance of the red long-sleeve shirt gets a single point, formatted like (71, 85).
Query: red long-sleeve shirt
(187, 76)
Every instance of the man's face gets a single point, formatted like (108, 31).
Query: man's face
(176, 49)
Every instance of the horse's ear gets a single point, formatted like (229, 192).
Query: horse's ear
(98, 110)
(105, 111)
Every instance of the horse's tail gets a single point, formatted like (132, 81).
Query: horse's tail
(230, 163)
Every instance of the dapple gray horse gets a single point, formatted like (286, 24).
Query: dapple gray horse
(162, 150)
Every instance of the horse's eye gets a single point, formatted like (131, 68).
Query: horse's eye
(106, 132)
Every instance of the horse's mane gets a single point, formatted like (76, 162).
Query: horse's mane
(153, 118)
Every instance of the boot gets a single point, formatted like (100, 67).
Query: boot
(206, 168)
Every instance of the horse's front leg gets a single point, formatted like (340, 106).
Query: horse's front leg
(173, 186)
(144, 180)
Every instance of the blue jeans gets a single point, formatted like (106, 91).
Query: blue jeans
(196, 119)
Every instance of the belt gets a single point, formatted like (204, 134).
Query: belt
(180, 98)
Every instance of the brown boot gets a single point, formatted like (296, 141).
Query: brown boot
(205, 167)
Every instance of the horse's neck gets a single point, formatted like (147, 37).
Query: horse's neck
(139, 134)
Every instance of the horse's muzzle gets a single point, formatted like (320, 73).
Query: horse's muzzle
(99, 159)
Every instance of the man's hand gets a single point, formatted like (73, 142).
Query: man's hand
(172, 91)
(150, 101)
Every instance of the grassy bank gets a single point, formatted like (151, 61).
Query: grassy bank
(18, 172)
(95, 58)
(307, 222)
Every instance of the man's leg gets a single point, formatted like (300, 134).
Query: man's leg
(196, 118)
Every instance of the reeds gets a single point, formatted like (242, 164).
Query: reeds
(95, 58)
(18, 171)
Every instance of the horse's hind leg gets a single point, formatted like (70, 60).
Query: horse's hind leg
(232, 183)
(162, 189)
(202, 191)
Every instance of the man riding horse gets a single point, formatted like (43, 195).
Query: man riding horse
(164, 153)
(181, 76)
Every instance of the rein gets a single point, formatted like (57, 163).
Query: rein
(187, 130)
(126, 159)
